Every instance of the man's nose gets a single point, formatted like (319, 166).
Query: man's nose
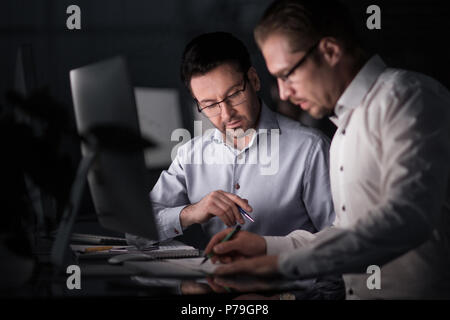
(284, 90)
(227, 110)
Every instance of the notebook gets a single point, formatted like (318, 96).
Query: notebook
(166, 249)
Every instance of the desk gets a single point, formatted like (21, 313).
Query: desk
(100, 279)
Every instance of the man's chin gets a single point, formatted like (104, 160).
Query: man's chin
(316, 115)
(319, 113)
(235, 133)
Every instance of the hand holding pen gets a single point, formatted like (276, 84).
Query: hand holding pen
(227, 237)
(242, 244)
(220, 204)
(245, 214)
(233, 232)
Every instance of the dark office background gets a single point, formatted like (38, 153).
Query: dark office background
(152, 35)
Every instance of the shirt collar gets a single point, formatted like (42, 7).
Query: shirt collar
(267, 121)
(359, 87)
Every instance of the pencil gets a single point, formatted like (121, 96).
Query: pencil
(95, 249)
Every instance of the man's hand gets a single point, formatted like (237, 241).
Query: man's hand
(259, 266)
(239, 284)
(217, 203)
(189, 287)
(243, 244)
(250, 287)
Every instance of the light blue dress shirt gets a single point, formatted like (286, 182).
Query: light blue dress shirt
(294, 196)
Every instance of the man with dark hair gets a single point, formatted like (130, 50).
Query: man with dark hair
(389, 162)
(217, 70)
(210, 50)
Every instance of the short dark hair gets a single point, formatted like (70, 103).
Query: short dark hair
(306, 21)
(210, 50)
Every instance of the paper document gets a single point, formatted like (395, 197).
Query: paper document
(174, 268)
(195, 264)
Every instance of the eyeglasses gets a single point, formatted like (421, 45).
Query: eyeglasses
(286, 76)
(214, 109)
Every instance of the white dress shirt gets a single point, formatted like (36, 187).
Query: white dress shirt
(296, 195)
(390, 181)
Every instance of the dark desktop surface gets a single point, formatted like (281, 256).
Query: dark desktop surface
(99, 279)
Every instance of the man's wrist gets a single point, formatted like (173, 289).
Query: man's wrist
(185, 217)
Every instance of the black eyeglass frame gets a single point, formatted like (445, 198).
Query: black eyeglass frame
(199, 109)
(285, 77)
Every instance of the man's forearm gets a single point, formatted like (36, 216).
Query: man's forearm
(186, 216)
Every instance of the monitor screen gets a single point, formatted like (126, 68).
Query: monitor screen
(103, 96)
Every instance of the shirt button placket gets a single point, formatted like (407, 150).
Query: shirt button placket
(342, 177)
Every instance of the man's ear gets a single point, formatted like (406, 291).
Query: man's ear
(331, 50)
(254, 78)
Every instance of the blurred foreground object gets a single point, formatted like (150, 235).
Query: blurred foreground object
(32, 131)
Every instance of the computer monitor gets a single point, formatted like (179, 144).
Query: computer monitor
(103, 95)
